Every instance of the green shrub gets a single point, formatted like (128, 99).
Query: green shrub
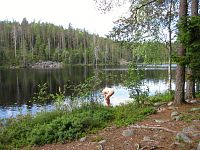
(131, 113)
(61, 126)
(71, 126)
(134, 82)
(162, 97)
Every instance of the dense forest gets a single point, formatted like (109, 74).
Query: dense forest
(24, 43)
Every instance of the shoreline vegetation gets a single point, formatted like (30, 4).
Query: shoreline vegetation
(63, 125)
(56, 65)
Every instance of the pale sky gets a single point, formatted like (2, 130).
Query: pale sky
(80, 13)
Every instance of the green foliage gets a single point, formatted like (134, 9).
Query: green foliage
(150, 52)
(56, 126)
(58, 99)
(44, 41)
(198, 94)
(190, 116)
(131, 113)
(190, 37)
(193, 45)
(182, 60)
(42, 95)
(133, 81)
(162, 97)
(62, 126)
(183, 35)
(90, 84)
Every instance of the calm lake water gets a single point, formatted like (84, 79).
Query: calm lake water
(17, 86)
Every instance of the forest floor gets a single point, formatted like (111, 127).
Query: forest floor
(157, 132)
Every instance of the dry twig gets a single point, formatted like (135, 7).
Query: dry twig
(152, 127)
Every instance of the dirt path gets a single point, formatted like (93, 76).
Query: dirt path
(157, 132)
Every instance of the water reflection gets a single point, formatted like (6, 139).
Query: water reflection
(17, 86)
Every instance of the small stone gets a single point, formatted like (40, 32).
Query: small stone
(190, 129)
(174, 113)
(127, 133)
(170, 104)
(193, 101)
(160, 121)
(161, 109)
(137, 146)
(188, 100)
(183, 137)
(102, 141)
(83, 139)
(146, 139)
(100, 147)
(177, 118)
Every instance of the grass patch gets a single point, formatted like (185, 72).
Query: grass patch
(190, 116)
(131, 113)
(162, 97)
(97, 139)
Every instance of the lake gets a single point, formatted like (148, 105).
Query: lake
(17, 86)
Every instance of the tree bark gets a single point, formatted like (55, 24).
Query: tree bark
(170, 48)
(15, 40)
(190, 90)
(180, 70)
(194, 7)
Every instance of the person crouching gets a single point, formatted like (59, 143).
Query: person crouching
(108, 92)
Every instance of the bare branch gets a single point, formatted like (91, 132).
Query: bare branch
(152, 127)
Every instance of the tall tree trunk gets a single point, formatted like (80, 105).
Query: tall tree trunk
(49, 49)
(106, 53)
(15, 40)
(190, 87)
(180, 70)
(190, 90)
(170, 48)
(194, 10)
(85, 50)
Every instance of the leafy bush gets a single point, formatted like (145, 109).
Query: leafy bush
(131, 113)
(60, 126)
(42, 95)
(134, 82)
(56, 126)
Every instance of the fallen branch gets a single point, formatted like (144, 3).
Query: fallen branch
(150, 127)
(151, 147)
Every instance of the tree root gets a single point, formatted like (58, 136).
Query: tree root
(152, 127)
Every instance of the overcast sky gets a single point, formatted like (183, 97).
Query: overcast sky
(80, 13)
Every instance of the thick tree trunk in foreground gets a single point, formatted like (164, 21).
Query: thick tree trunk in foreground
(180, 70)
(180, 85)
(190, 91)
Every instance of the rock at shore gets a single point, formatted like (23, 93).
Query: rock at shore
(46, 64)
